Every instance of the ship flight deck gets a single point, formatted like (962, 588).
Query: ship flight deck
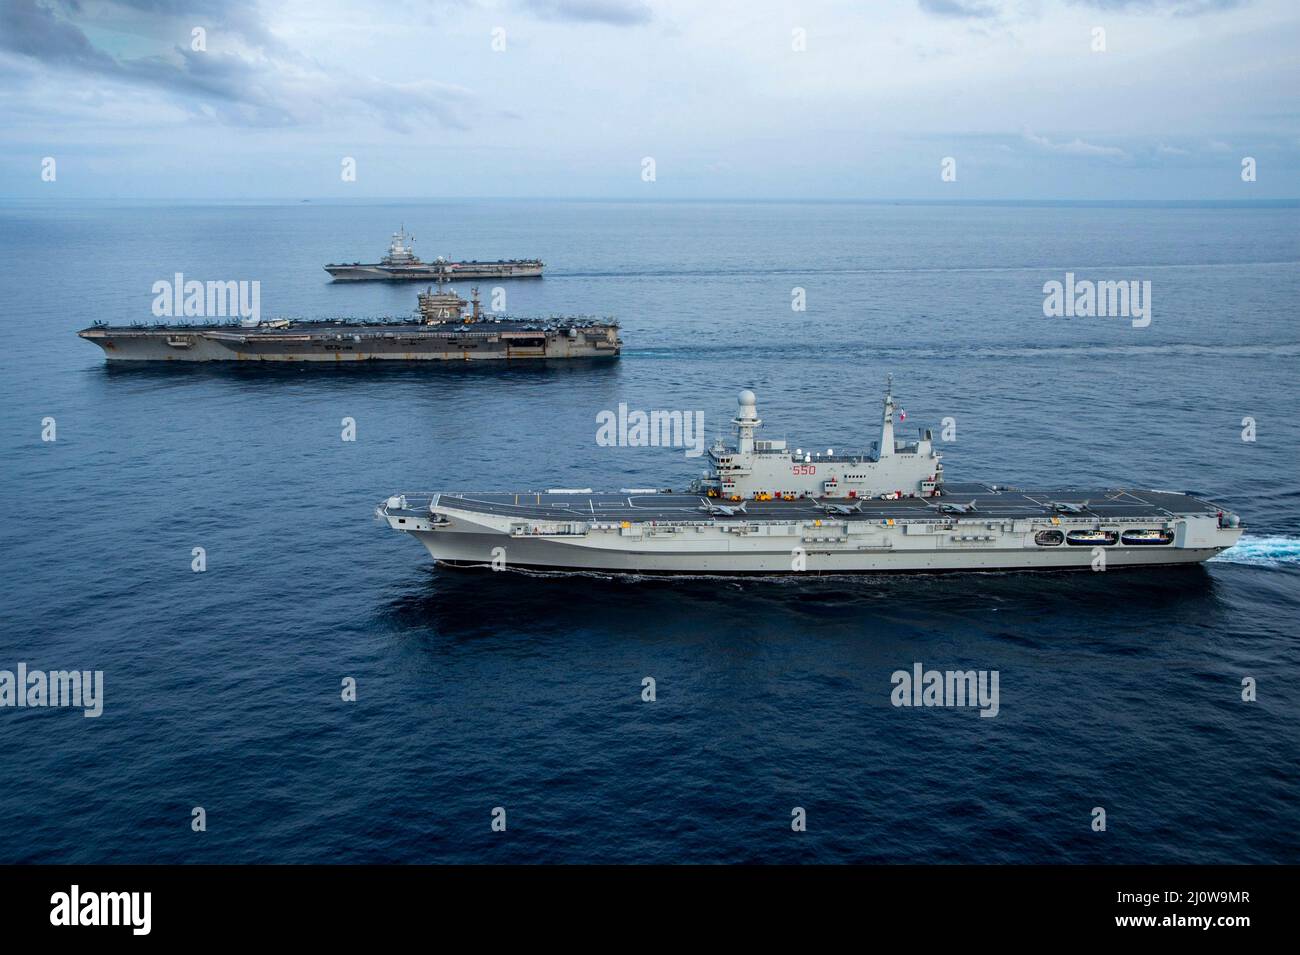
(990, 503)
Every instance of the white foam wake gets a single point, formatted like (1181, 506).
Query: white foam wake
(1270, 551)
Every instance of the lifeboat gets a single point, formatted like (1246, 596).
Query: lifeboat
(1147, 537)
(1092, 538)
(1049, 538)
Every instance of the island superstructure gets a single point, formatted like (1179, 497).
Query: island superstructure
(400, 264)
(762, 508)
(448, 328)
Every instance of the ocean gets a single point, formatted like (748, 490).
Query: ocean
(478, 690)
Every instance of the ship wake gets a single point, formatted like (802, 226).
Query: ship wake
(1265, 551)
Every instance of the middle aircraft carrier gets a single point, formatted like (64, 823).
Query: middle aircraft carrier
(762, 508)
(442, 332)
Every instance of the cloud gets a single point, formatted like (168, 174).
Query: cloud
(991, 9)
(1183, 8)
(257, 81)
(965, 9)
(35, 31)
(1076, 148)
(613, 12)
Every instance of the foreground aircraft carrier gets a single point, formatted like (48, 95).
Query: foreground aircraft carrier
(400, 264)
(764, 509)
(442, 332)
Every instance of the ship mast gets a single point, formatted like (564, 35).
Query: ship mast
(746, 421)
(887, 423)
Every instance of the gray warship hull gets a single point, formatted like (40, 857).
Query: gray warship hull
(665, 533)
(378, 272)
(342, 342)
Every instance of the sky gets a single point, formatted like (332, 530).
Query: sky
(570, 98)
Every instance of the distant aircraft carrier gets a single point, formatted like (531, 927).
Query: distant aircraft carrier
(401, 265)
(442, 332)
(763, 509)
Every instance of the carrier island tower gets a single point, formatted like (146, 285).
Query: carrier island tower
(762, 508)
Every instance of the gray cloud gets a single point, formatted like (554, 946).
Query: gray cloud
(1177, 7)
(989, 9)
(968, 9)
(613, 12)
(35, 31)
(262, 84)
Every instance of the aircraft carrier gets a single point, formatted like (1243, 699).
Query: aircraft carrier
(762, 508)
(400, 264)
(443, 331)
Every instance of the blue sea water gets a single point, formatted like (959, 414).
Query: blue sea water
(478, 690)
